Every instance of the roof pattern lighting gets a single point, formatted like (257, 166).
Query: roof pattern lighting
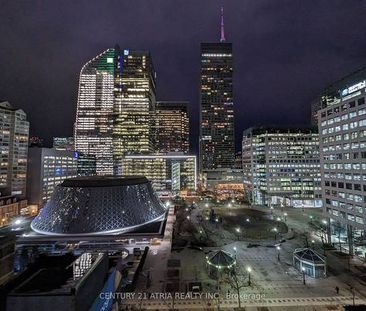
(99, 205)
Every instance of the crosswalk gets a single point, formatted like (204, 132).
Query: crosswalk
(227, 304)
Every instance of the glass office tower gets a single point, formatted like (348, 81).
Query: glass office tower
(217, 146)
(115, 107)
(171, 127)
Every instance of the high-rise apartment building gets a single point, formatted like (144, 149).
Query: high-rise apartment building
(115, 107)
(281, 166)
(14, 134)
(217, 145)
(171, 127)
(342, 134)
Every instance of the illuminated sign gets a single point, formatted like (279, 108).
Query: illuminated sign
(109, 60)
(126, 52)
(354, 88)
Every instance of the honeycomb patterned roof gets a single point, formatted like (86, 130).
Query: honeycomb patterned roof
(99, 209)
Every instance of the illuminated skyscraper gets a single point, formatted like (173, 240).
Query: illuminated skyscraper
(14, 133)
(217, 146)
(171, 127)
(115, 107)
(93, 128)
(134, 104)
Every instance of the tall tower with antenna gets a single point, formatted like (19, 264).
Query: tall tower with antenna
(222, 32)
(216, 142)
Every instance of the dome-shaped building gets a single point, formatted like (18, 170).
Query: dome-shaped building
(99, 205)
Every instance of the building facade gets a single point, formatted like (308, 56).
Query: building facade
(14, 134)
(134, 105)
(342, 133)
(64, 143)
(281, 166)
(86, 164)
(93, 128)
(171, 127)
(115, 107)
(10, 208)
(169, 172)
(216, 142)
(47, 168)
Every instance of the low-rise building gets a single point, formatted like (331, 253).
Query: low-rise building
(172, 172)
(10, 208)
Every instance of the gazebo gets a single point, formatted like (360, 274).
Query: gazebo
(218, 262)
(310, 262)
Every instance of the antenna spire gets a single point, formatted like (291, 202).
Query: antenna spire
(222, 38)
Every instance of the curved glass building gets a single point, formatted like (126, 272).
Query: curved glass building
(99, 205)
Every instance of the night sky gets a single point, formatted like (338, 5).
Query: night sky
(285, 53)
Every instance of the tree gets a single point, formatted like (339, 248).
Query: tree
(237, 279)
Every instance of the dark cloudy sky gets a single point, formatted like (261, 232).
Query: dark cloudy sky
(285, 52)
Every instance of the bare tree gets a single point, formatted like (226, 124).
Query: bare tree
(237, 279)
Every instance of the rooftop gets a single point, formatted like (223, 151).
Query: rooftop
(103, 181)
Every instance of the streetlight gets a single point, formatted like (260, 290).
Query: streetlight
(206, 205)
(248, 220)
(313, 243)
(229, 205)
(234, 248)
(303, 275)
(188, 217)
(249, 269)
(278, 252)
(285, 214)
(278, 219)
(275, 231)
(238, 232)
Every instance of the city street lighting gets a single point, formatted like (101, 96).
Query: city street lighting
(303, 275)
(249, 269)
(18, 221)
(248, 220)
(188, 217)
(275, 231)
(285, 214)
(229, 205)
(278, 219)
(237, 230)
(234, 248)
(206, 205)
(278, 252)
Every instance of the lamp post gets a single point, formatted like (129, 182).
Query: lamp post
(235, 249)
(238, 232)
(275, 231)
(249, 269)
(278, 252)
(303, 275)
(285, 216)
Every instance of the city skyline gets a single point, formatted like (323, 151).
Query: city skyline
(306, 58)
